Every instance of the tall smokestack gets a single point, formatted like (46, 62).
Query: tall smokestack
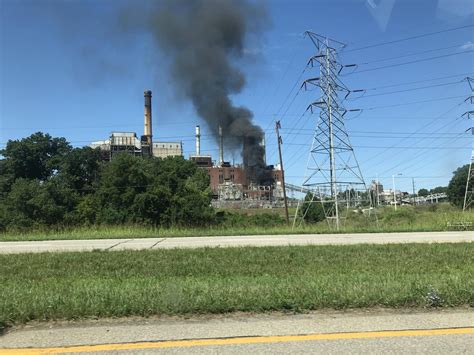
(221, 146)
(198, 140)
(147, 129)
(262, 144)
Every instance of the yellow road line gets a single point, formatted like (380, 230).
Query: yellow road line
(236, 341)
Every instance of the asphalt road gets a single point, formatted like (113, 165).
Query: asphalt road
(234, 241)
(355, 332)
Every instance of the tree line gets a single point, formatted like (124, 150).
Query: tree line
(46, 182)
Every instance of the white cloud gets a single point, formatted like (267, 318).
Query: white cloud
(468, 45)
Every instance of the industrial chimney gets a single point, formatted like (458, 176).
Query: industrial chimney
(198, 140)
(221, 146)
(147, 129)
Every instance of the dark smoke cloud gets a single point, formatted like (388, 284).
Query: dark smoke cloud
(203, 38)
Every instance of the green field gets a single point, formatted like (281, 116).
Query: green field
(143, 283)
(258, 221)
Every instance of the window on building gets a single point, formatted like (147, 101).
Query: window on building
(221, 179)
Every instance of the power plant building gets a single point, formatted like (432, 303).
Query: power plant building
(231, 185)
(130, 143)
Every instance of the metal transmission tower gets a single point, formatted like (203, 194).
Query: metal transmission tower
(333, 172)
(469, 192)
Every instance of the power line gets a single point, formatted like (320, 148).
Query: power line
(421, 81)
(383, 147)
(426, 150)
(408, 38)
(406, 90)
(382, 132)
(411, 54)
(415, 102)
(409, 62)
(389, 177)
(277, 86)
(421, 128)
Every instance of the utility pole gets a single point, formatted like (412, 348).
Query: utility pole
(394, 193)
(277, 127)
(468, 192)
(413, 184)
(377, 198)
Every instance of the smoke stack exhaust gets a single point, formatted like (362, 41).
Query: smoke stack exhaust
(147, 128)
(221, 146)
(198, 140)
(205, 41)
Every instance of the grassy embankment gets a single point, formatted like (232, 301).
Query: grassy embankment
(249, 222)
(115, 284)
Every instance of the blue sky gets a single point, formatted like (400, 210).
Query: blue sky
(63, 70)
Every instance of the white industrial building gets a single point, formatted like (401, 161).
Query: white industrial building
(130, 143)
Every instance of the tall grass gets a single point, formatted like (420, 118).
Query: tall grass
(214, 280)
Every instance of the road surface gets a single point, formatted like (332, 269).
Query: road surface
(355, 332)
(235, 241)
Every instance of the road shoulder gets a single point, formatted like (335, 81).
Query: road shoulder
(133, 330)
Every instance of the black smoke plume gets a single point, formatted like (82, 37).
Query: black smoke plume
(203, 38)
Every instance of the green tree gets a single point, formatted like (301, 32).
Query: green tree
(45, 182)
(34, 203)
(80, 168)
(170, 191)
(457, 186)
(439, 190)
(313, 209)
(6, 179)
(423, 192)
(31, 194)
(36, 157)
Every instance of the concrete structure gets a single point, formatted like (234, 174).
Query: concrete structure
(198, 140)
(226, 174)
(124, 142)
(167, 149)
(128, 142)
(431, 198)
(235, 182)
(230, 191)
(225, 179)
(146, 139)
(119, 142)
(234, 241)
(221, 146)
(228, 182)
(203, 161)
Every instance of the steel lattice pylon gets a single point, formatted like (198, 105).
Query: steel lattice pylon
(469, 193)
(333, 172)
